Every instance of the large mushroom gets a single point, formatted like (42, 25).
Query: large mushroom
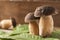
(33, 26)
(8, 23)
(46, 23)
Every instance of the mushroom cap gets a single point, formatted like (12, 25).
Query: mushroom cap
(30, 17)
(13, 21)
(44, 11)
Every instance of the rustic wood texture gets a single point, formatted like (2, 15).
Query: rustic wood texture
(19, 9)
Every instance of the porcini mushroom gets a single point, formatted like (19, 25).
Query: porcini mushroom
(46, 23)
(8, 23)
(33, 26)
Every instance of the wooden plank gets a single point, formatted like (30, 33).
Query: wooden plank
(19, 9)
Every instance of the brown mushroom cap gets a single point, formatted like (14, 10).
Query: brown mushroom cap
(44, 11)
(30, 17)
(13, 21)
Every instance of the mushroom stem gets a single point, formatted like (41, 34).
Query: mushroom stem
(8, 23)
(33, 28)
(45, 25)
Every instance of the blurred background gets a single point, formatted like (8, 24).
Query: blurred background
(19, 8)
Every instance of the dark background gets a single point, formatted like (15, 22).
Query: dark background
(19, 8)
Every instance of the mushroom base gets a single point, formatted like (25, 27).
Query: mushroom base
(6, 24)
(46, 26)
(33, 28)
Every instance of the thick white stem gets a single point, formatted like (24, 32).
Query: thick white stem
(46, 25)
(5, 24)
(33, 28)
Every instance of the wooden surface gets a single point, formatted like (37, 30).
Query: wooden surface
(19, 9)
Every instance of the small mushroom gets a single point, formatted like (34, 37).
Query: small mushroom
(33, 26)
(8, 23)
(46, 23)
